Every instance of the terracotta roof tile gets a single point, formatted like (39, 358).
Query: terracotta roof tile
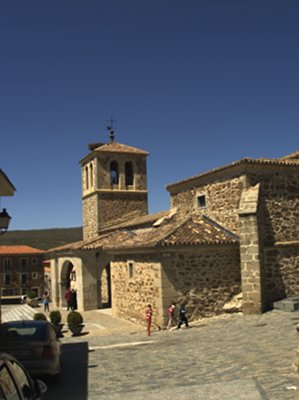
(172, 231)
(199, 230)
(115, 147)
(290, 160)
(19, 250)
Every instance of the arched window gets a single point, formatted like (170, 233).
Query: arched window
(129, 173)
(91, 175)
(86, 178)
(114, 173)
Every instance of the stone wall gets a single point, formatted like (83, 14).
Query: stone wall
(205, 279)
(282, 272)
(131, 295)
(90, 216)
(279, 231)
(222, 200)
(279, 203)
(115, 207)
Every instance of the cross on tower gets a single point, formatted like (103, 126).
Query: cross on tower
(110, 128)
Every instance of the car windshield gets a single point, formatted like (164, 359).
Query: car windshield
(25, 333)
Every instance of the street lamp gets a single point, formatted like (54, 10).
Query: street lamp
(4, 221)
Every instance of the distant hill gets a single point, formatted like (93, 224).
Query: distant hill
(43, 239)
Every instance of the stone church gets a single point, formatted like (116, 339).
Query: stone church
(230, 230)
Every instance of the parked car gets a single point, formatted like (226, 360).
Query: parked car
(34, 343)
(16, 383)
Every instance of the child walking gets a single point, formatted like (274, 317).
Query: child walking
(148, 317)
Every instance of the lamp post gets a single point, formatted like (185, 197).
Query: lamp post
(4, 223)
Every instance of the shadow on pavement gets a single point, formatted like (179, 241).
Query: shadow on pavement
(74, 376)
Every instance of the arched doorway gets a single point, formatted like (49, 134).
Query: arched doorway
(68, 279)
(105, 287)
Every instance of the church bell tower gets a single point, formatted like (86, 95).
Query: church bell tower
(114, 185)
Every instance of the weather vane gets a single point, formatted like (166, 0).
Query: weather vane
(110, 128)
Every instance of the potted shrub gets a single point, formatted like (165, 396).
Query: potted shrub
(39, 317)
(31, 299)
(55, 318)
(75, 322)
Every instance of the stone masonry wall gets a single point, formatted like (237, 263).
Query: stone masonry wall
(279, 203)
(131, 295)
(279, 231)
(90, 217)
(222, 200)
(282, 272)
(205, 280)
(116, 207)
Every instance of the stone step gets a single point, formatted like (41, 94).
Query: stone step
(288, 304)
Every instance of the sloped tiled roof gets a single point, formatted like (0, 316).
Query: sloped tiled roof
(139, 221)
(289, 160)
(293, 156)
(4, 250)
(115, 147)
(198, 230)
(191, 231)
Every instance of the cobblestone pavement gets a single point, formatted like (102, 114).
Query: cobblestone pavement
(227, 357)
(231, 357)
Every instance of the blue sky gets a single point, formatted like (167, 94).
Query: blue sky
(198, 84)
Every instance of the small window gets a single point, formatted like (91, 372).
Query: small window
(33, 260)
(7, 264)
(34, 275)
(24, 264)
(131, 269)
(23, 279)
(86, 178)
(7, 279)
(91, 174)
(201, 201)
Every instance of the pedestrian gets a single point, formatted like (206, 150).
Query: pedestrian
(68, 297)
(75, 305)
(171, 314)
(182, 316)
(46, 301)
(73, 300)
(148, 317)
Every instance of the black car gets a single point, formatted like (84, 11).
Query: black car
(16, 383)
(34, 344)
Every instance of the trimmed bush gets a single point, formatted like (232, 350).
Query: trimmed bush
(55, 317)
(39, 317)
(31, 295)
(74, 318)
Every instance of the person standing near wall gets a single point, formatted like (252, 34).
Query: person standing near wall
(171, 315)
(68, 298)
(148, 317)
(183, 316)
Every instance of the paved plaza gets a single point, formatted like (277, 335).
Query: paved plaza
(228, 357)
